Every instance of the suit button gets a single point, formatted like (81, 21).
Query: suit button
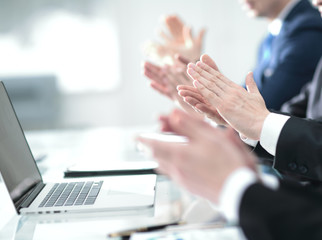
(292, 166)
(303, 169)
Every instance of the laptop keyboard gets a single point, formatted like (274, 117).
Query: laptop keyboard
(72, 194)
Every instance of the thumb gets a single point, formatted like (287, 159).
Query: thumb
(250, 84)
(207, 60)
(181, 59)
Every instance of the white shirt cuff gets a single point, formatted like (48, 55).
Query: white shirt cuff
(248, 141)
(271, 131)
(235, 187)
(270, 181)
(233, 191)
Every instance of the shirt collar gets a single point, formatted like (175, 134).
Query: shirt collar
(275, 26)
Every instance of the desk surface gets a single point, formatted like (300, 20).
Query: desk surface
(65, 147)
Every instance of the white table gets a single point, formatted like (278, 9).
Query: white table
(65, 147)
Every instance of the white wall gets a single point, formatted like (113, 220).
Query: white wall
(231, 39)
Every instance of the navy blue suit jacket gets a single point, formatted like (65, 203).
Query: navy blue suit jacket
(294, 57)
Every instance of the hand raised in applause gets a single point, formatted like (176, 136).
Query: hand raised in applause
(194, 98)
(178, 40)
(165, 79)
(244, 110)
(202, 164)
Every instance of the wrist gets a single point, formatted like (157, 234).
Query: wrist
(233, 190)
(260, 123)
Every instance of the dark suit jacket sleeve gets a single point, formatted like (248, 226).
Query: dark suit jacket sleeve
(299, 149)
(291, 212)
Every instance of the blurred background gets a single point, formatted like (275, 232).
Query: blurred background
(78, 63)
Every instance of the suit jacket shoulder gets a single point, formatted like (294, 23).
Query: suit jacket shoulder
(296, 51)
(302, 17)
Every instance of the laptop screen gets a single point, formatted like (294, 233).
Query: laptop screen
(17, 165)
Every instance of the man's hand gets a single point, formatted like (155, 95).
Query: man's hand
(193, 97)
(204, 163)
(178, 40)
(166, 79)
(244, 110)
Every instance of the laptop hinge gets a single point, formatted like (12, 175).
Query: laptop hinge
(28, 198)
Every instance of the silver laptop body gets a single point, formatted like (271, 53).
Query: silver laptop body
(31, 195)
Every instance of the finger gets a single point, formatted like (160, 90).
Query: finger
(173, 81)
(212, 97)
(187, 125)
(207, 60)
(147, 66)
(161, 89)
(153, 76)
(186, 77)
(208, 69)
(195, 95)
(161, 151)
(211, 113)
(164, 37)
(251, 84)
(191, 101)
(175, 27)
(183, 79)
(207, 72)
(178, 65)
(201, 83)
(187, 87)
(182, 59)
(212, 75)
(187, 36)
(151, 66)
(194, 103)
(177, 77)
(165, 125)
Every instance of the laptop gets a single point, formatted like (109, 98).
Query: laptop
(31, 195)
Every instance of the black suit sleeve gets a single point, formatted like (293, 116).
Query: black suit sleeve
(291, 212)
(299, 149)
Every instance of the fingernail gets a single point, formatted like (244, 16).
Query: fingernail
(195, 83)
(200, 64)
(191, 71)
(191, 65)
